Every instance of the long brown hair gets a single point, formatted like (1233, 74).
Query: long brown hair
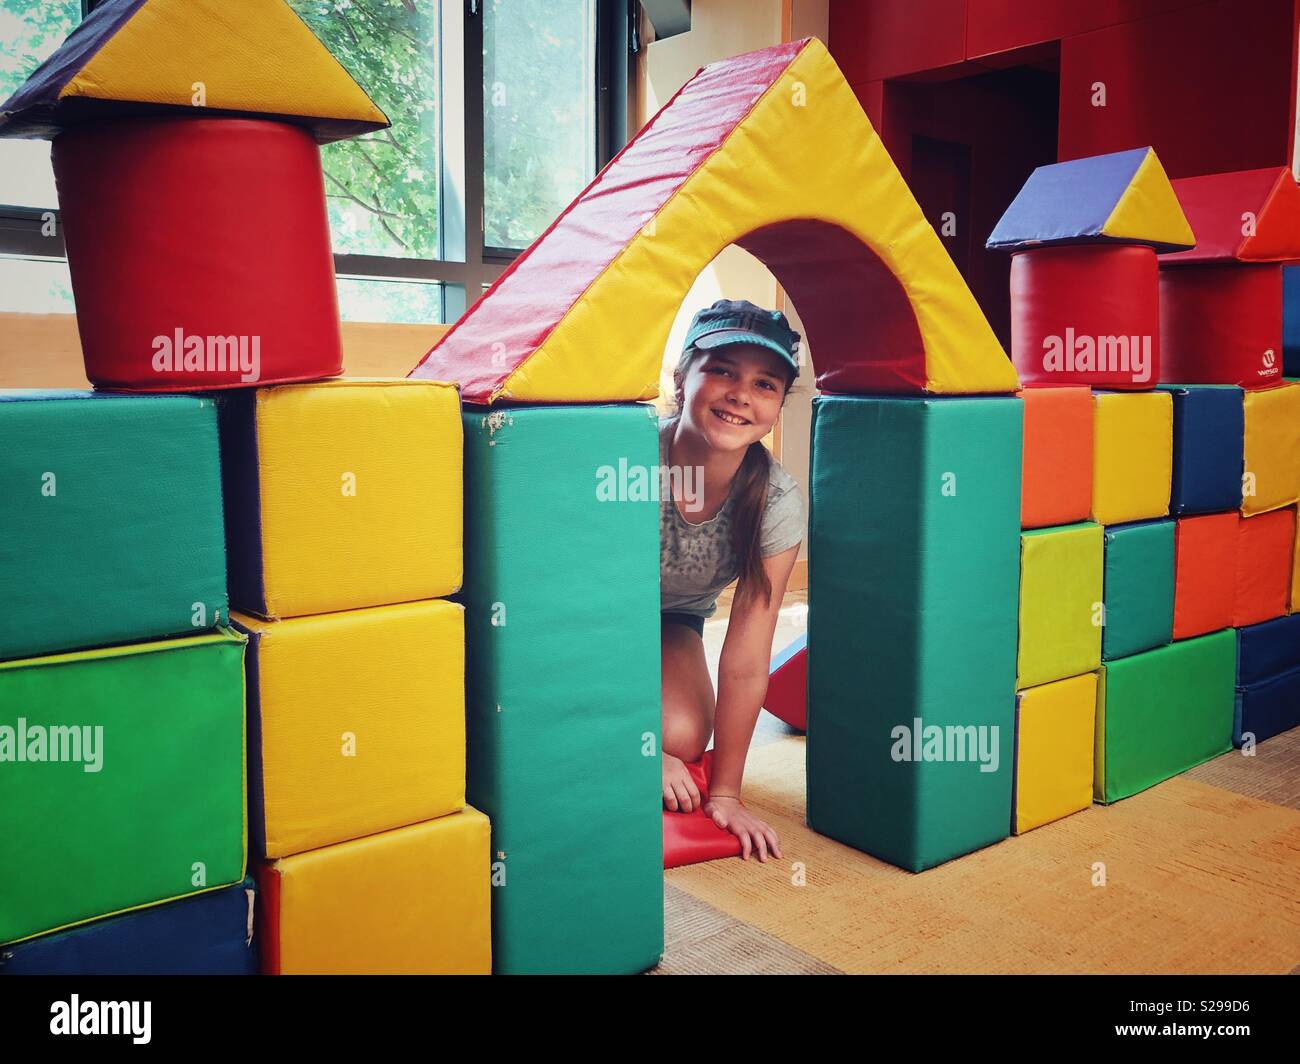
(748, 494)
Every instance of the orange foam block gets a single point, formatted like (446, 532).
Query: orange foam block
(1263, 574)
(1205, 562)
(1056, 482)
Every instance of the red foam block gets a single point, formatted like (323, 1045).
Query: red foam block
(692, 838)
(1086, 315)
(1265, 554)
(1205, 564)
(787, 685)
(1222, 324)
(184, 234)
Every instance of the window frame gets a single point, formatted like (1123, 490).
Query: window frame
(465, 266)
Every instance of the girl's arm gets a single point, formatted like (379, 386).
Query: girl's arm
(742, 675)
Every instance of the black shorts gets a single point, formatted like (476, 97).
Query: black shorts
(688, 620)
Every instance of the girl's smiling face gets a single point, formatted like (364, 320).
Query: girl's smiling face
(732, 396)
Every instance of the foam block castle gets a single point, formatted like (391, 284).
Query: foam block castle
(1072, 578)
(847, 240)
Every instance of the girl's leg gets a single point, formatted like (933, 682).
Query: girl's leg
(688, 705)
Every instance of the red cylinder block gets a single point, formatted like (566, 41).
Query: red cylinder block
(1222, 324)
(200, 254)
(1086, 315)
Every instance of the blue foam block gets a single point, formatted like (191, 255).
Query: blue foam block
(1071, 203)
(1266, 650)
(204, 934)
(1209, 449)
(1267, 708)
(1291, 321)
(799, 644)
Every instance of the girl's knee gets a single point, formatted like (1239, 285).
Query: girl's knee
(686, 736)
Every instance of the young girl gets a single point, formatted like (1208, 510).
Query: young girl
(732, 512)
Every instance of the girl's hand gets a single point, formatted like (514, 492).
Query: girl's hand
(680, 793)
(755, 836)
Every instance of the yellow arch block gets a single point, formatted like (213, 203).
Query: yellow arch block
(803, 181)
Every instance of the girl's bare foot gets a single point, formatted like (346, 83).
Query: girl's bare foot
(680, 793)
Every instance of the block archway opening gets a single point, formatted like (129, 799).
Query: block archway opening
(850, 303)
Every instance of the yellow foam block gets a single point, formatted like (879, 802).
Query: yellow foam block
(343, 494)
(414, 901)
(357, 722)
(1272, 449)
(1133, 455)
(1149, 208)
(255, 56)
(1054, 750)
(1060, 603)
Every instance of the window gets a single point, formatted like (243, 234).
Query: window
(539, 114)
(382, 188)
(425, 215)
(33, 275)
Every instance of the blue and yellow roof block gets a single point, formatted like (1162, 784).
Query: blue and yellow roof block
(139, 57)
(1124, 198)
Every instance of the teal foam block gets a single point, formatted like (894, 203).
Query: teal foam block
(1139, 588)
(914, 589)
(1163, 711)
(562, 627)
(110, 521)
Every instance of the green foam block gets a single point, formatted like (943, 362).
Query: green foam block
(144, 801)
(111, 529)
(1163, 711)
(1139, 584)
(562, 624)
(914, 567)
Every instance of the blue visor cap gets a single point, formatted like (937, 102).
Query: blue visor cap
(737, 321)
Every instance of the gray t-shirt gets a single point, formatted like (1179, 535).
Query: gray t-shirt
(696, 561)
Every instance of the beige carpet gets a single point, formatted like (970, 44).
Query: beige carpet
(1197, 879)
(700, 940)
(1272, 774)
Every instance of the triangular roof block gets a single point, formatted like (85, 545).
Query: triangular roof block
(1242, 216)
(1121, 198)
(132, 57)
(770, 151)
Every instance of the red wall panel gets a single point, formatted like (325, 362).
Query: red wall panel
(887, 38)
(998, 25)
(1210, 87)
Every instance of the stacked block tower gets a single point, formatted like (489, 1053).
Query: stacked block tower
(121, 689)
(1223, 313)
(1097, 553)
(1183, 555)
(243, 590)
